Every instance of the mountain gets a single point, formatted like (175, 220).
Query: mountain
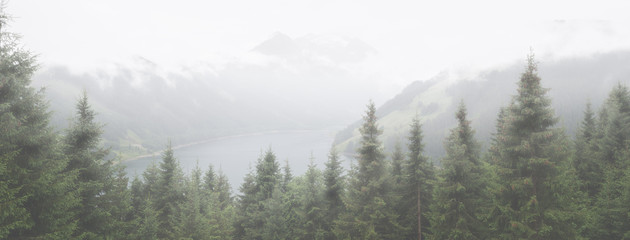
(572, 82)
(283, 83)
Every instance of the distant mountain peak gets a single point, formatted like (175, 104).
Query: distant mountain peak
(279, 44)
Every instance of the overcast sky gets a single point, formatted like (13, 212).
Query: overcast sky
(414, 40)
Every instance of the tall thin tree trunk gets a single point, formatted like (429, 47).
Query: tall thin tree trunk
(419, 216)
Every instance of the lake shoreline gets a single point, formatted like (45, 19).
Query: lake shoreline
(156, 153)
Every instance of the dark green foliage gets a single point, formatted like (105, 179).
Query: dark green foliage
(417, 186)
(169, 196)
(398, 158)
(267, 175)
(223, 191)
(194, 217)
(333, 192)
(63, 186)
(274, 226)
(532, 200)
(13, 215)
(369, 212)
(118, 204)
(615, 126)
(258, 191)
(312, 204)
(149, 224)
(287, 176)
(97, 179)
(210, 180)
(611, 156)
(461, 197)
(244, 225)
(588, 168)
(36, 167)
(292, 191)
(219, 210)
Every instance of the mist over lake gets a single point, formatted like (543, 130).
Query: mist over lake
(235, 155)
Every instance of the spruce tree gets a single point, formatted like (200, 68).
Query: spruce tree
(274, 226)
(13, 214)
(149, 225)
(223, 190)
(459, 198)
(118, 204)
(398, 158)
(370, 213)
(333, 192)
(169, 196)
(533, 199)
(612, 145)
(223, 213)
(258, 188)
(589, 169)
(210, 179)
(291, 203)
(87, 156)
(37, 168)
(312, 209)
(194, 220)
(267, 175)
(245, 226)
(615, 127)
(417, 186)
(137, 198)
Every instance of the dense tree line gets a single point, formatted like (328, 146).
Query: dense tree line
(533, 182)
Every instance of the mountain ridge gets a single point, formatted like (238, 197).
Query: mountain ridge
(571, 82)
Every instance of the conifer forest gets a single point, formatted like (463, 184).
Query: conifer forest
(532, 180)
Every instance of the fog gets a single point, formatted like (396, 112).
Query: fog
(327, 119)
(192, 71)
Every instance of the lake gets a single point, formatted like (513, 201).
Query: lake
(235, 155)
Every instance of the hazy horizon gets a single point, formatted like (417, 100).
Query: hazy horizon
(388, 44)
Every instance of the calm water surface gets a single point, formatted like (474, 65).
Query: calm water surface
(235, 155)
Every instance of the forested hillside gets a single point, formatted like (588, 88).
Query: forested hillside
(144, 102)
(534, 181)
(572, 82)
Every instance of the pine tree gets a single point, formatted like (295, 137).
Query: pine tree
(118, 204)
(275, 226)
(417, 189)
(398, 158)
(37, 169)
(287, 176)
(588, 168)
(223, 190)
(223, 214)
(137, 198)
(207, 190)
(87, 156)
(333, 192)
(533, 199)
(370, 214)
(312, 209)
(169, 196)
(290, 200)
(209, 179)
(615, 127)
(151, 178)
(194, 220)
(149, 225)
(245, 226)
(459, 195)
(267, 175)
(257, 189)
(611, 151)
(13, 214)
